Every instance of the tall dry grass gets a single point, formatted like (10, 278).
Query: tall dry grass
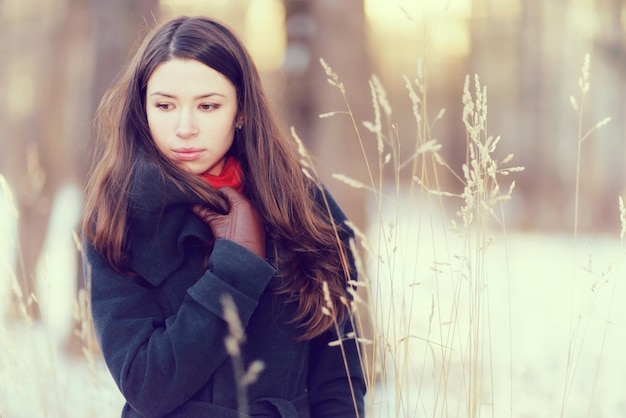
(455, 357)
(432, 351)
(583, 304)
(440, 345)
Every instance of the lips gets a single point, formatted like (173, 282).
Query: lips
(187, 154)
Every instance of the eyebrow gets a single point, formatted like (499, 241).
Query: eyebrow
(202, 96)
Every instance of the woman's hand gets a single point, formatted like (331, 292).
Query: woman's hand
(242, 224)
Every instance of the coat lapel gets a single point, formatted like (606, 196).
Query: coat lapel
(160, 221)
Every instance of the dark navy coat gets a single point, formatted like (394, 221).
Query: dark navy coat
(162, 331)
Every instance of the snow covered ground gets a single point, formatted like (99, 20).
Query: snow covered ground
(547, 320)
(38, 379)
(542, 296)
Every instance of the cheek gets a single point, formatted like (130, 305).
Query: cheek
(157, 127)
(220, 132)
(229, 138)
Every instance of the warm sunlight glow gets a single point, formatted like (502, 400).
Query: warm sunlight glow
(439, 25)
(265, 33)
(259, 23)
(579, 18)
(402, 32)
(191, 7)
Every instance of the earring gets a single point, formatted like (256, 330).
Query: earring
(239, 127)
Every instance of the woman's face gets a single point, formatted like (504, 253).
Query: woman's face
(192, 113)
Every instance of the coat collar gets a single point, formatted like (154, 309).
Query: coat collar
(160, 220)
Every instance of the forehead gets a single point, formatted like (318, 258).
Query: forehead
(186, 75)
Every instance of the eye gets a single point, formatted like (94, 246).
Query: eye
(207, 107)
(164, 106)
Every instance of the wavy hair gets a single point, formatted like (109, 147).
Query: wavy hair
(274, 179)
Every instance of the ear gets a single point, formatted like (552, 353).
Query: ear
(239, 122)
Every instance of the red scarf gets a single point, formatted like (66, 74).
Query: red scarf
(230, 176)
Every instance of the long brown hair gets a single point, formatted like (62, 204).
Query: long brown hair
(274, 180)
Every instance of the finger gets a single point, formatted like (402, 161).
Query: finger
(204, 213)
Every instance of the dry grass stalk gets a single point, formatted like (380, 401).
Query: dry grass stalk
(481, 197)
(578, 332)
(622, 218)
(233, 342)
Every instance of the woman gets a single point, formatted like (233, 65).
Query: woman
(197, 195)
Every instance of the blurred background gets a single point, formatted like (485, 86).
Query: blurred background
(59, 56)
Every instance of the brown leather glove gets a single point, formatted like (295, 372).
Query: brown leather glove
(242, 224)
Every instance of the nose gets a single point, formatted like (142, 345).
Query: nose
(186, 126)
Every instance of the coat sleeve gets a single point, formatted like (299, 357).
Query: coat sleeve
(336, 382)
(159, 362)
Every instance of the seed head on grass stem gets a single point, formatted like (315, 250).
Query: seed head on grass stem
(8, 197)
(233, 342)
(622, 218)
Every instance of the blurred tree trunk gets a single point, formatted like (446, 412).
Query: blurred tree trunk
(46, 119)
(608, 99)
(341, 41)
(531, 104)
(298, 66)
(118, 26)
(334, 31)
(20, 134)
(42, 135)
